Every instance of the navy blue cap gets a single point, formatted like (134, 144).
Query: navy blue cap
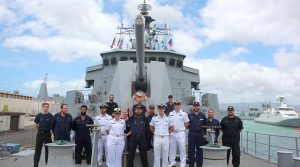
(230, 108)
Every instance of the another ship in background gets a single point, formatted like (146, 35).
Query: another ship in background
(249, 113)
(283, 115)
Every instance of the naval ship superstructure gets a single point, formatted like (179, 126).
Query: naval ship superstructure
(146, 62)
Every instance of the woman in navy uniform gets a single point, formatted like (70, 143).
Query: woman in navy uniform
(82, 135)
(115, 140)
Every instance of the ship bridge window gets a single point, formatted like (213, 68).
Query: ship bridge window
(113, 60)
(133, 59)
(162, 59)
(195, 85)
(105, 62)
(286, 109)
(179, 63)
(123, 58)
(172, 62)
(290, 114)
(152, 59)
(145, 59)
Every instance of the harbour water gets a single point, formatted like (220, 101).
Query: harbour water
(264, 140)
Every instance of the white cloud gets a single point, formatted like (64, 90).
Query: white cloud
(242, 81)
(5, 14)
(287, 60)
(68, 31)
(15, 64)
(55, 86)
(273, 22)
(186, 42)
(234, 53)
(60, 48)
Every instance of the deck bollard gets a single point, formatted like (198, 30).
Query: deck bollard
(296, 161)
(215, 156)
(285, 159)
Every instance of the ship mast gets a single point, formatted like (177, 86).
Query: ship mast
(153, 34)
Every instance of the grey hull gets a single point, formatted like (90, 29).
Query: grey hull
(289, 122)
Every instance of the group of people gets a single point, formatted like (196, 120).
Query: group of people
(139, 127)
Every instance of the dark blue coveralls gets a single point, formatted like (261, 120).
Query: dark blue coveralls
(82, 138)
(61, 126)
(196, 138)
(138, 126)
(43, 136)
(169, 108)
(214, 122)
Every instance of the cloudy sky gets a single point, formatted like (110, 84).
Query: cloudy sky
(246, 50)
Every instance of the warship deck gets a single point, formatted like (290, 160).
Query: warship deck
(20, 161)
(27, 137)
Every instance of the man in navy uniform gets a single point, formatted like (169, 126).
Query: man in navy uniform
(231, 127)
(82, 135)
(138, 124)
(211, 121)
(42, 121)
(196, 135)
(102, 120)
(177, 137)
(111, 105)
(169, 105)
(61, 124)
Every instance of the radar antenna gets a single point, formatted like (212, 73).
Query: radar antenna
(45, 79)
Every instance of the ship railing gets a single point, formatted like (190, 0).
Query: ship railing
(265, 146)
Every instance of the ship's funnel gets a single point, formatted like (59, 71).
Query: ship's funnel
(140, 83)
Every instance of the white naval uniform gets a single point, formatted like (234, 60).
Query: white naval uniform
(115, 142)
(161, 139)
(103, 122)
(177, 137)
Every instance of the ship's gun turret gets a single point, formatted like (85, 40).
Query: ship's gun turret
(141, 82)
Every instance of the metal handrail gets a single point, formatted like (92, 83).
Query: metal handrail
(251, 145)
